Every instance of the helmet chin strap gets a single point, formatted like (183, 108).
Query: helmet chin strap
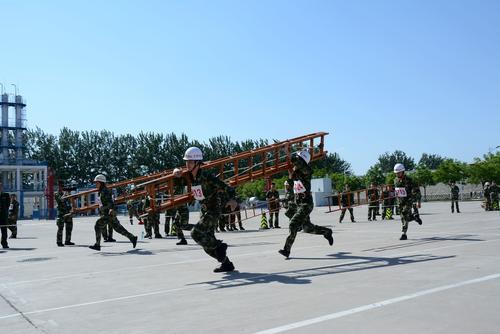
(196, 168)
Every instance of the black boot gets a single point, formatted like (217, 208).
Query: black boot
(60, 244)
(5, 245)
(220, 252)
(182, 242)
(403, 237)
(328, 236)
(133, 240)
(95, 247)
(284, 252)
(418, 220)
(69, 243)
(241, 227)
(226, 266)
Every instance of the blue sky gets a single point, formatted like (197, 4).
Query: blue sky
(419, 76)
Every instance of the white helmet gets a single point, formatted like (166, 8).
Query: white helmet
(100, 178)
(486, 184)
(193, 153)
(399, 168)
(305, 156)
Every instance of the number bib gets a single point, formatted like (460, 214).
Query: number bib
(197, 193)
(401, 192)
(298, 187)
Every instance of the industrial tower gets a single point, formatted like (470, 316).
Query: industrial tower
(25, 178)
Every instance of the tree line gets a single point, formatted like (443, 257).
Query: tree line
(79, 155)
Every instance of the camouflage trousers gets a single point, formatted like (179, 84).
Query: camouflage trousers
(170, 215)
(291, 210)
(494, 203)
(372, 211)
(276, 215)
(152, 223)
(61, 222)
(111, 223)
(203, 233)
(301, 220)
(342, 214)
(12, 220)
(407, 214)
(181, 221)
(132, 212)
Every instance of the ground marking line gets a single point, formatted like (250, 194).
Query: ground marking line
(382, 303)
(202, 285)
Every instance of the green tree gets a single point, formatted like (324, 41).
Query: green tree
(389, 178)
(423, 177)
(431, 161)
(387, 161)
(375, 175)
(451, 171)
(331, 163)
(485, 170)
(252, 189)
(340, 180)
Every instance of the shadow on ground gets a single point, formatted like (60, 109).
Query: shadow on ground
(424, 241)
(303, 276)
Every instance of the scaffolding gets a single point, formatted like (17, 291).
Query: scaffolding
(25, 178)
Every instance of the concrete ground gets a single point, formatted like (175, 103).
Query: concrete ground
(444, 279)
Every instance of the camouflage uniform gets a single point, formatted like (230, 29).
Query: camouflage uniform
(273, 204)
(170, 215)
(64, 217)
(418, 199)
(223, 220)
(406, 203)
(302, 174)
(152, 221)
(13, 213)
(203, 231)
(372, 195)
(494, 196)
(106, 219)
(289, 201)
(4, 213)
(487, 198)
(133, 211)
(454, 198)
(236, 215)
(346, 200)
(181, 212)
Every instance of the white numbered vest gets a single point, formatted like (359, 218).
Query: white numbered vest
(298, 187)
(197, 192)
(401, 192)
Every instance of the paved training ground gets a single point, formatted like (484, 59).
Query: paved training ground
(444, 279)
